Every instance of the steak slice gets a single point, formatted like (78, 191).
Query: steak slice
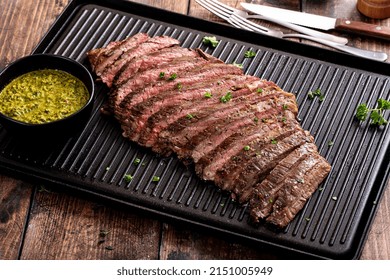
(103, 58)
(292, 191)
(151, 60)
(96, 56)
(257, 168)
(265, 193)
(150, 45)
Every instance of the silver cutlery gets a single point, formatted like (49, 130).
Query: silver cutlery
(318, 21)
(226, 11)
(233, 16)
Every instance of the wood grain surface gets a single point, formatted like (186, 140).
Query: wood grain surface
(45, 222)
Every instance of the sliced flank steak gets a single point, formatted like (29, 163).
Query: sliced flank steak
(238, 131)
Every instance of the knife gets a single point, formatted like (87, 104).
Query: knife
(320, 22)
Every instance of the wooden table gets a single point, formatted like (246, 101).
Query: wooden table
(39, 223)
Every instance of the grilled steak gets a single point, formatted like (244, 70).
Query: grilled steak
(285, 190)
(116, 57)
(239, 131)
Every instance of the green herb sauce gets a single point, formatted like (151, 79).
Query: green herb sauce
(43, 96)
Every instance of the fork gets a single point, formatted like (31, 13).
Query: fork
(231, 15)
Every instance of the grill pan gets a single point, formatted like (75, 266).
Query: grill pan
(334, 222)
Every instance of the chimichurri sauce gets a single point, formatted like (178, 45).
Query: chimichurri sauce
(43, 96)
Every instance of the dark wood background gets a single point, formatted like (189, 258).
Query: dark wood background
(39, 223)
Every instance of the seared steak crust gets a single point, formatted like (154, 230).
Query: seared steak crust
(285, 190)
(239, 131)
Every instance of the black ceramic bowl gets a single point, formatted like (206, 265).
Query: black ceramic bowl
(59, 128)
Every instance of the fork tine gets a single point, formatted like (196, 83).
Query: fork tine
(248, 25)
(223, 6)
(229, 14)
(213, 9)
(237, 23)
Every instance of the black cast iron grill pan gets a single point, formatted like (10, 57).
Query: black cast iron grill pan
(334, 222)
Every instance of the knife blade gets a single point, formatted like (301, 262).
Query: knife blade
(320, 22)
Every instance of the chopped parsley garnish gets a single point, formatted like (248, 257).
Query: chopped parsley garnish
(285, 106)
(362, 112)
(249, 54)
(189, 116)
(179, 86)
(259, 90)
(247, 148)
(330, 143)
(155, 179)
(256, 119)
(239, 65)
(316, 93)
(208, 94)
(274, 141)
(172, 77)
(127, 178)
(162, 74)
(210, 40)
(284, 119)
(137, 161)
(375, 114)
(226, 98)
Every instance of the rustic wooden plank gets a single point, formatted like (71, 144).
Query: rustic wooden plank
(15, 39)
(170, 5)
(14, 205)
(184, 243)
(377, 244)
(63, 226)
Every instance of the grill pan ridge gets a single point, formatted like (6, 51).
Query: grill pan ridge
(334, 222)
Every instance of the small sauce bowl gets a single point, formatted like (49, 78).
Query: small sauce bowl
(63, 127)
